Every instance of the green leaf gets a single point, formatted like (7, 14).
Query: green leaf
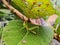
(57, 22)
(5, 11)
(57, 12)
(5, 14)
(58, 19)
(1, 6)
(16, 34)
(0, 32)
(58, 30)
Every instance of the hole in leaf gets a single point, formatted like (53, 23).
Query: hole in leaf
(24, 41)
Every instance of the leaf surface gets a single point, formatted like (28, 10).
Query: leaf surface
(16, 34)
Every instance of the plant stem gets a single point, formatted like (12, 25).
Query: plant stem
(19, 14)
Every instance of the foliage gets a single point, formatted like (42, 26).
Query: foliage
(58, 30)
(37, 8)
(5, 14)
(0, 32)
(16, 34)
(1, 6)
(57, 22)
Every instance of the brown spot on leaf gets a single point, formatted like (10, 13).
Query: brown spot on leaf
(38, 10)
(39, 5)
(34, 3)
(47, 5)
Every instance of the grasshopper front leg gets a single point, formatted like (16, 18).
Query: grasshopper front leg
(31, 28)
